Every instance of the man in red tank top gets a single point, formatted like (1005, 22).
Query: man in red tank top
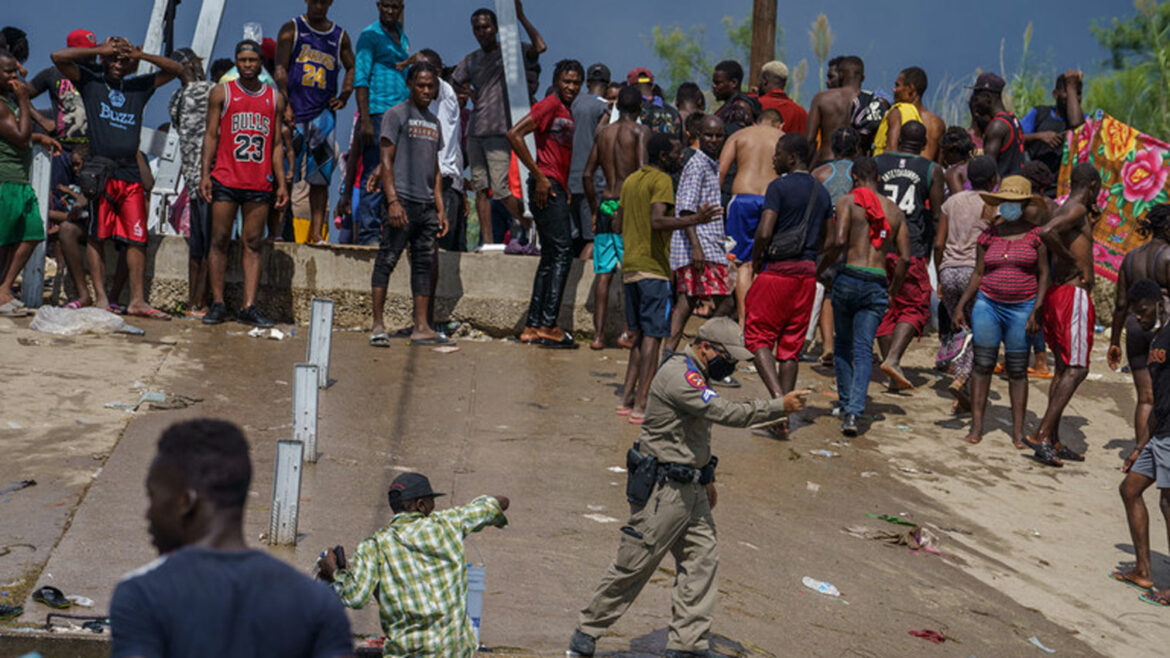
(243, 158)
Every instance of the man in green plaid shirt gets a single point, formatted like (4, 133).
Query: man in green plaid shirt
(416, 568)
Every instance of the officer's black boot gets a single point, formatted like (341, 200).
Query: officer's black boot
(582, 644)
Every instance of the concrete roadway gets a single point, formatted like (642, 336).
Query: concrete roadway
(537, 426)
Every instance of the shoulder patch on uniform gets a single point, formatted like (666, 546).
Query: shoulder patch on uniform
(695, 379)
(707, 394)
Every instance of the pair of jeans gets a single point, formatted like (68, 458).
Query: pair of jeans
(371, 207)
(994, 322)
(421, 228)
(554, 226)
(860, 299)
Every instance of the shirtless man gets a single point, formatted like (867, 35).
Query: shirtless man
(1069, 316)
(619, 150)
(868, 227)
(1149, 261)
(750, 150)
(909, 88)
(832, 108)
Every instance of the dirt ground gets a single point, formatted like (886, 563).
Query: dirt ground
(1026, 549)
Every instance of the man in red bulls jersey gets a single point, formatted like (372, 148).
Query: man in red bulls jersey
(242, 165)
(310, 52)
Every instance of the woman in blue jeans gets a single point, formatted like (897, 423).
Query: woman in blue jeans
(1008, 286)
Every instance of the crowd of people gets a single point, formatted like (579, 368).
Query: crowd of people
(777, 221)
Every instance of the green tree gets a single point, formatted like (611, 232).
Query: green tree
(682, 55)
(1137, 90)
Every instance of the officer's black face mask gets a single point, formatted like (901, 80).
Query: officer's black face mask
(721, 366)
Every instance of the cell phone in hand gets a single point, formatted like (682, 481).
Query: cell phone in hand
(339, 554)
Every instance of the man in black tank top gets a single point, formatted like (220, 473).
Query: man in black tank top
(1003, 139)
(915, 185)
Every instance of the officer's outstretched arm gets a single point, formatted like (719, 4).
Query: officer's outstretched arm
(699, 400)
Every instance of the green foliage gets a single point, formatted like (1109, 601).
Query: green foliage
(1028, 86)
(680, 55)
(1137, 91)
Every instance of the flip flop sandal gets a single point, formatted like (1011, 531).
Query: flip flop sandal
(380, 340)
(566, 343)
(73, 305)
(637, 420)
(12, 310)
(404, 332)
(152, 314)
(1069, 456)
(437, 340)
(116, 308)
(1047, 455)
(52, 597)
(1154, 598)
(10, 612)
(623, 411)
(1120, 577)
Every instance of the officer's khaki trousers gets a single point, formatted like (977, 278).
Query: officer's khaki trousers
(677, 518)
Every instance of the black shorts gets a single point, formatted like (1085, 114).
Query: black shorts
(1137, 343)
(236, 195)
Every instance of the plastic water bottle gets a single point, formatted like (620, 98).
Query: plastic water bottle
(820, 586)
(475, 590)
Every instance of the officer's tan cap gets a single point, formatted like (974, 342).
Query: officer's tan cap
(725, 332)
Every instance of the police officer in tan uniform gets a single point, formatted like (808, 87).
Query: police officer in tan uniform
(671, 490)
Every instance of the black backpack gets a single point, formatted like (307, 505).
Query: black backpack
(866, 115)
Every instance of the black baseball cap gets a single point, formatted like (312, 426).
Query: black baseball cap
(410, 486)
(598, 71)
(989, 82)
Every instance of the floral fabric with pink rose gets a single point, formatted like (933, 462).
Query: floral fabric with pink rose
(1134, 171)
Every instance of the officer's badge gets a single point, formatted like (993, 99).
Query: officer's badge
(707, 394)
(695, 379)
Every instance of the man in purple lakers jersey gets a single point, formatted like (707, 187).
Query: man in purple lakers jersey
(310, 51)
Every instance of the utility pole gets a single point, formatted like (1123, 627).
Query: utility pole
(763, 37)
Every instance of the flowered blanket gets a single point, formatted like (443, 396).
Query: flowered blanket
(1134, 170)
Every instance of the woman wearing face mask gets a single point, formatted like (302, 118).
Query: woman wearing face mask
(1008, 286)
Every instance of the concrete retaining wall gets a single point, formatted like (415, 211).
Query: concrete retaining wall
(488, 291)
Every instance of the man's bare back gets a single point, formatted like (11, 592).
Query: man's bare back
(861, 252)
(831, 109)
(935, 127)
(621, 150)
(751, 149)
(1149, 261)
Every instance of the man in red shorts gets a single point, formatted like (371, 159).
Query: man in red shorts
(791, 232)
(114, 102)
(244, 145)
(916, 185)
(1069, 316)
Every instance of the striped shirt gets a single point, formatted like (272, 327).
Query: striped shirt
(416, 568)
(1010, 273)
(697, 187)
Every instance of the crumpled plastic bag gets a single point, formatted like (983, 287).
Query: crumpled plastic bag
(73, 322)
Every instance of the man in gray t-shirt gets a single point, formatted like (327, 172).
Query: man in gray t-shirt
(588, 110)
(482, 72)
(409, 174)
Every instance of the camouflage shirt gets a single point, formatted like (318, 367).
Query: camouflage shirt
(188, 110)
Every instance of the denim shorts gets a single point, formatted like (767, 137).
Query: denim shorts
(994, 322)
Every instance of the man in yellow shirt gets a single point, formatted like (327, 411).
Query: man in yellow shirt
(909, 88)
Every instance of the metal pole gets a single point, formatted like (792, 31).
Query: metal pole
(763, 37)
(514, 73)
(321, 337)
(305, 408)
(32, 282)
(154, 34)
(286, 493)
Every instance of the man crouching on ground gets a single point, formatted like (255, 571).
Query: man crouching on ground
(416, 567)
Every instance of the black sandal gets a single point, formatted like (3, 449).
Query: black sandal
(52, 597)
(1068, 455)
(1046, 454)
(10, 611)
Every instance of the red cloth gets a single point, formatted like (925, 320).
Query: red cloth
(879, 226)
(554, 138)
(912, 303)
(125, 218)
(713, 281)
(779, 307)
(795, 117)
(1069, 319)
